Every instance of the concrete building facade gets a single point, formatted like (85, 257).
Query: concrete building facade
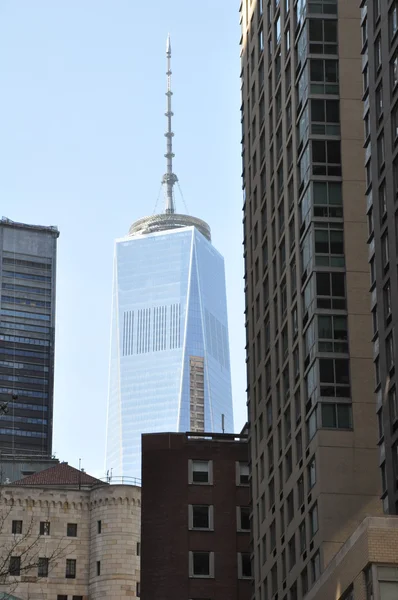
(27, 329)
(379, 26)
(313, 434)
(85, 543)
(366, 567)
(195, 517)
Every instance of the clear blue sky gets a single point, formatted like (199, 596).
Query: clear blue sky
(81, 146)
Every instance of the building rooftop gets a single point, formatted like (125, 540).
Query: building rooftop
(166, 221)
(61, 474)
(43, 228)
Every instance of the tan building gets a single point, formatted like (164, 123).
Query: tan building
(366, 567)
(65, 535)
(311, 403)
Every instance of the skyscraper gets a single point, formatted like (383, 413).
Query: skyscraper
(379, 25)
(313, 430)
(27, 309)
(169, 363)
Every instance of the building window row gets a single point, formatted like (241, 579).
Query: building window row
(202, 565)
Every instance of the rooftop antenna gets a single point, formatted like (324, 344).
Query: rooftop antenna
(169, 178)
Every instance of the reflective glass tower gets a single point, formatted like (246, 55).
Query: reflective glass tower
(169, 363)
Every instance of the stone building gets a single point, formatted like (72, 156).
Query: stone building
(65, 535)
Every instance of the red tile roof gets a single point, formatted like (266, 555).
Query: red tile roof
(61, 474)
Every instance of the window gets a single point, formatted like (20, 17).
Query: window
(62, 597)
(378, 58)
(292, 552)
(325, 117)
(15, 566)
(330, 290)
(70, 571)
(394, 72)
(200, 516)
(244, 566)
(379, 102)
(313, 514)
(393, 20)
(16, 527)
(384, 251)
(311, 470)
(394, 124)
(390, 352)
(326, 158)
(44, 528)
(332, 333)
(324, 76)
(290, 507)
(323, 36)
(369, 583)
(98, 568)
(243, 517)
(381, 155)
(71, 530)
(304, 581)
(242, 473)
(138, 589)
(336, 416)
(382, 202)
(99, 526)
(201, 564)
(315, 567)
(200, 471)
(42, 568)
(303, 537)
(392, 400)
(387, 301)
(272, 534)
(334, 377)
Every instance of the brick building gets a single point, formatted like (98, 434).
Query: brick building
(195, 517)
(83, 535)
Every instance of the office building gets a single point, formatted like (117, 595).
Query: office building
(380, 88)
(313, 432)
(169, 364)
(195, 517)
(65, 535)
(27, 310)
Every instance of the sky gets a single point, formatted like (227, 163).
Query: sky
(82, 147)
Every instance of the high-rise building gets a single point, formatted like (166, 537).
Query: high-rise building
(195, 519)
(313, 432)
(27, 310)
(169, 364)
(380, 88)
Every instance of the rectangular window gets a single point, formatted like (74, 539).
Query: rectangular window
(393, 20)
(292, 552)
(15, 566)
(313, 514)
(44, 528)
(71, 530)
(42, 568)
(62, 597)
(244, 565)
(70, 570)
(200, 516)
(311, 470)
(200, 471)
(323, 36)
(394, 72)
(315, 567)
(290, 507)
(201, 564)
(16, 527)
(242, 473)
(138, 549)
(99, 526)
(138, 589)
(243, 517)
(336, 416)
(98, 568)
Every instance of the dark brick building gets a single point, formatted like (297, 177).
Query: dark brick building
(195, 517)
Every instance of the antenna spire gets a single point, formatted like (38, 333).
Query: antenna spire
(169, 178)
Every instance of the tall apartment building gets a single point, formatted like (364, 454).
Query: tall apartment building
(195, 517)
(27, 325)
(380, 87)
(169, 364)
(313, 432)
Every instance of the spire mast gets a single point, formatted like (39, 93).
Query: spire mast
(169, 178)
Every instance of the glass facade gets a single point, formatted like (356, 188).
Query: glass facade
(169, 364)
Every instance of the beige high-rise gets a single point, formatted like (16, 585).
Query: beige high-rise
(313, 430)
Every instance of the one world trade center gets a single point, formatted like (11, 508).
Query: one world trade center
(169, 358)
